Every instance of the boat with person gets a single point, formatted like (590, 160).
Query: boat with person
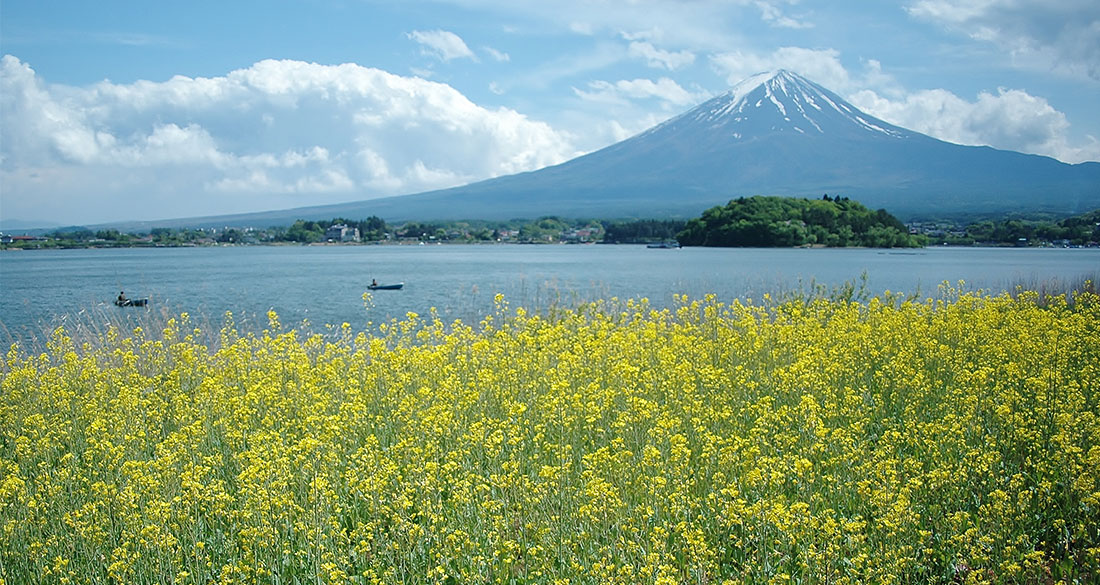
(124, 301)
(394, 286)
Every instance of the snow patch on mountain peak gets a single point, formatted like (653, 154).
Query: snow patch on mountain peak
(776, 101)
(748, 85)
(799, 102)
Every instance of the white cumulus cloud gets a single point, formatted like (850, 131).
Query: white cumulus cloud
(820, 65)
(622, 91)
(274, 135)
(1043, 34)
(499, 56)
(1009, 119)
(700, 24)
(443, 44)
(659, 58)
(773, 13)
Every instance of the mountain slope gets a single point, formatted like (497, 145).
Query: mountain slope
(772, 134)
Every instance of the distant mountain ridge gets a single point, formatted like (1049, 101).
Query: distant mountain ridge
(775, 133)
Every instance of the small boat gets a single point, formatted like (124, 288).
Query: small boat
(664, 245)
(131, 302)
(395, 286)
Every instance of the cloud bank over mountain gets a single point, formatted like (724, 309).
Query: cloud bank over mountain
(273, 135)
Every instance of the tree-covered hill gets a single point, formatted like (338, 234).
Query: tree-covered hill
(1077, 230)
(782, 221)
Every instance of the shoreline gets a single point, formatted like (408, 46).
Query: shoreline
(10, 248)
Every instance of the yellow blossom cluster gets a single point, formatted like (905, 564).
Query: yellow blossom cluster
(809, 440)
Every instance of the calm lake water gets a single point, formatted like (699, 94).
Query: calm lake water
(325, 284)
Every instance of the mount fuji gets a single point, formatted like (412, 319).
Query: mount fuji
(772, 134)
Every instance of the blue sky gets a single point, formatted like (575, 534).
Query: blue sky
(123, 110)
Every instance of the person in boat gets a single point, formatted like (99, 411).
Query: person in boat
(373, 282)
(122, 297)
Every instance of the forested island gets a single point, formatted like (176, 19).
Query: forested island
(785, 222)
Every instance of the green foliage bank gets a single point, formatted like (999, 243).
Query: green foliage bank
(781, 221)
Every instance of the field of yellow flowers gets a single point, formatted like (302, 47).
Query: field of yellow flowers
(806, 440)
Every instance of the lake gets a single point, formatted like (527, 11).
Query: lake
(325, 284)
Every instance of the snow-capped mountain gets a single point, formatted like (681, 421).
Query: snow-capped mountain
(778, 102)
(772, 134)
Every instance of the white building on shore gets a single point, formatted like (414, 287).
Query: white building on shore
(342, 233)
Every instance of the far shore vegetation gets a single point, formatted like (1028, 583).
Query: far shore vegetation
(752, 222)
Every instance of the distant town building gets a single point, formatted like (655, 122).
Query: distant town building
(6, 239)
(579, 235)
(342, 233)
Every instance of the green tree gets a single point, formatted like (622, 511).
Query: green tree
(305, 232)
